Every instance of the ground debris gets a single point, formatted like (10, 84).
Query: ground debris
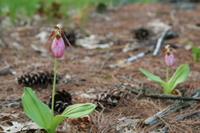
(4, 70)
(172, 108)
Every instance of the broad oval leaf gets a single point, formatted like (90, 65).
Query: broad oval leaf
(79, 110)
(151, 76)
(73, 111)
(179, 76)
(36, 110)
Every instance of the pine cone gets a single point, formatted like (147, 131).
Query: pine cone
(62, 100)
(110, 99)
(37, 79)
(142, 33)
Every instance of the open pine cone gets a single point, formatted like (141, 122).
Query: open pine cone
(37, 79)
(142, 33)
(111, 99)
(62, 100)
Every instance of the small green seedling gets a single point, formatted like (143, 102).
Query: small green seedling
(107, 76)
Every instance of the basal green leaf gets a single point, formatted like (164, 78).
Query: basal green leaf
(166, 87)
(179, 76)
(56, 121)
(36, 110)
(73, 111)
(79, 110)
(151, 76)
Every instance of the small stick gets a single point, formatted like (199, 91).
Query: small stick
(159, 42)
(104, 62)
(11, 100)
(135, 57)
(186, 115)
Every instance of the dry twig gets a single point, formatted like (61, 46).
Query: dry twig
(159, 42)
(172, 108)
(161, 96)
(106, 60)
(186, 115)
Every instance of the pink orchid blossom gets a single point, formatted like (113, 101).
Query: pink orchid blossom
(169, 60)
(169, 57)
(58, 47)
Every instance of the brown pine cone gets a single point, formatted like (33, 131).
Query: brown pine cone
(62, 100)
(37, 79)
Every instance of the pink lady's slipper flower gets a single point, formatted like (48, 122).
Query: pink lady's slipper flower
(58, 45)
(169, 60)
(169, 57)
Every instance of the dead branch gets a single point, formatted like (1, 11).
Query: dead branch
(161, 96)
(135, 57)
(186, 115)
(172, 108)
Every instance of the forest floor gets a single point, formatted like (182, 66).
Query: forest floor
(98, 63)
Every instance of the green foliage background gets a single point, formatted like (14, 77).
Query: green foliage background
(12, 8)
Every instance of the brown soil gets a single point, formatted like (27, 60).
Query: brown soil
(90, 69)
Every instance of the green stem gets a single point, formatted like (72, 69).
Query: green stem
(167, 74)
(54, 84)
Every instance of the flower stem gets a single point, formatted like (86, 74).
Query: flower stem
(54, 83)
(167, 73)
